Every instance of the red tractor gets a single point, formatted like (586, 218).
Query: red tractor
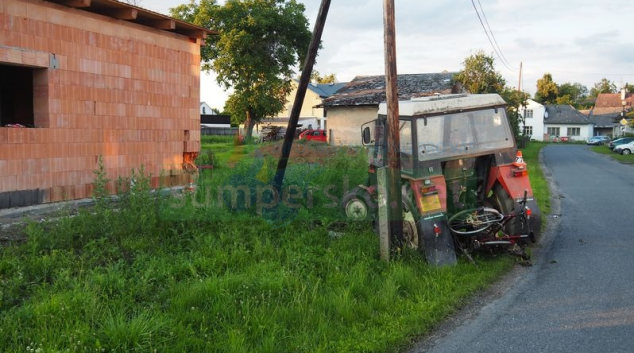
(458, 159)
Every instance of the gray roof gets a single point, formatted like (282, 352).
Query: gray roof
(325, 90)
(370, 90)
(565, 114)
(604, 120)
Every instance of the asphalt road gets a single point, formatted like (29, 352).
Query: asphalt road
(579, 295)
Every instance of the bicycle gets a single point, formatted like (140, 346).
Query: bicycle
(486, 228)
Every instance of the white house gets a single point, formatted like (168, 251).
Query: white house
(532, 119)
(205, 109)
(564, 121)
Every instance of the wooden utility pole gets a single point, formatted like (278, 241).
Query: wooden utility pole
(519, 84)
(393, 172)
(301, 93)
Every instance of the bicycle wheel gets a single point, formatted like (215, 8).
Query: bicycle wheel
(504, 203)
(474, 220)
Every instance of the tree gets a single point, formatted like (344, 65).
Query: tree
(629, 88)
(605, 86)
(576, 92)
(479, 75)
(259, 44)
(316, 76)
(547, 90)
(515, 100)
(565, 99)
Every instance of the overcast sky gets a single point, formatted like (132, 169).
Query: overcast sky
(576, 41)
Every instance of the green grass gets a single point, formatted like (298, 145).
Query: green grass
(629, 159)
(161, 274)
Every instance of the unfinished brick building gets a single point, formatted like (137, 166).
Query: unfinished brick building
(81, 79)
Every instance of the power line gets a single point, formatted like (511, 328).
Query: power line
(489, 37)
(492, 35)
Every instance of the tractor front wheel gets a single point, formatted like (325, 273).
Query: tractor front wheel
(358, 205)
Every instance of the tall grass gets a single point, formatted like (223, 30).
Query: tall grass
(147, 273)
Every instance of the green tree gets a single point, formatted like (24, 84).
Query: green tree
(479, 75)
(329, 78)
(515, 100)
(565, 99)
(605, 86)
(547, 91)
(576, 92)
(629, 88)
(259, 44)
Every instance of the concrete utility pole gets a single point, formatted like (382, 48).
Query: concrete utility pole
(301, 93)
(393, 172)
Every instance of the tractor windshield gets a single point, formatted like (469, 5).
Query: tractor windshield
(472, 132)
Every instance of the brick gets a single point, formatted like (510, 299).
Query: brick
(15, 135)
(8, 183)
(56, 194)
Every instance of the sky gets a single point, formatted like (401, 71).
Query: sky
(575, 41)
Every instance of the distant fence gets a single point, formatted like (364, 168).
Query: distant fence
(219, 131)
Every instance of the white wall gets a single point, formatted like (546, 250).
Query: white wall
(586, 131)
(345, 123)
(205, 108)
(537, 121)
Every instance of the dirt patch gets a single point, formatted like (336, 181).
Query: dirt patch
(11, 233)
(308, 152)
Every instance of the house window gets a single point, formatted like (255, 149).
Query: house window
(552, 131)
(528, 131)
(528, 113)
(204, 110)
(574, 131)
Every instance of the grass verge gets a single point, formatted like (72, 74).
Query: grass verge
(603, 149)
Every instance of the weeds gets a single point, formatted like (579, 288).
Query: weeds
(137, 274)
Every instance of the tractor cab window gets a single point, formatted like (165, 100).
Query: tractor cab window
(406, 147)
(430, 133)
(457, 134)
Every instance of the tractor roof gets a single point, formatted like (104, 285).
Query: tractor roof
(445, 104)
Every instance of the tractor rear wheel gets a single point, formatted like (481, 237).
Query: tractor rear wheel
(504, 203)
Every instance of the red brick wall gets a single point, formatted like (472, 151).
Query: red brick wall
(119, 90)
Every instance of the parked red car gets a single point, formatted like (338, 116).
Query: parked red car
(314, 135)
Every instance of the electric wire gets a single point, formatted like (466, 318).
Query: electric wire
(493, 36)
(489, 37)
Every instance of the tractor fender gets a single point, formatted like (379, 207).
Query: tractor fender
(514, 185)
(438, 247)
(535, 220)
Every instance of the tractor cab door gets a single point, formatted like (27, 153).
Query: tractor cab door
(373, 137)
